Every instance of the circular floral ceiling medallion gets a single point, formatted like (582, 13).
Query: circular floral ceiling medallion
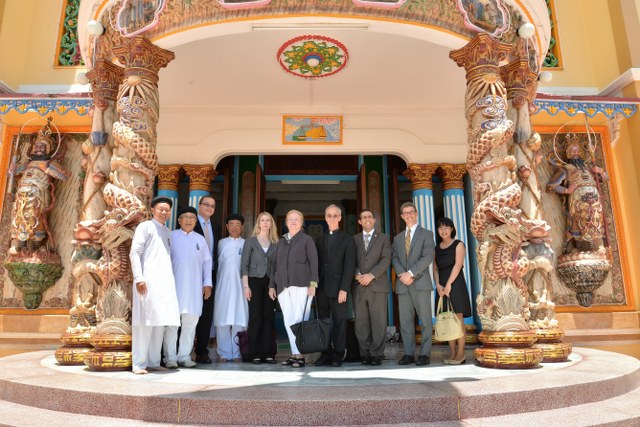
(313, 57)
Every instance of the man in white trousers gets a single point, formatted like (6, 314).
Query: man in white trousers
(155, 304)
(192, 264)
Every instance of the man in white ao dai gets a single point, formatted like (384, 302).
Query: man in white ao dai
(192, 264)
(231, 310)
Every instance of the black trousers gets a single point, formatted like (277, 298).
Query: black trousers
(203, 329)
(261, 315)
(329, 308)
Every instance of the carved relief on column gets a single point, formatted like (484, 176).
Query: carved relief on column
(496, 220)
(134, 165)
(521, 83)
(421, 176)
(169, 177)
(200, 176)
(105, 79)
(453, 175)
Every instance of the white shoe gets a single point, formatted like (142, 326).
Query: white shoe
(187, 363)
(171, 365)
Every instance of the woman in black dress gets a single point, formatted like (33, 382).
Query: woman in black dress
(447, 272)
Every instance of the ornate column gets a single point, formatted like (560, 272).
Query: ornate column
(496, 220)
(453, 195)
(200, 177)
(105, 79)
(421, 177)
(168, 180)
(134, 166)
(521, 83)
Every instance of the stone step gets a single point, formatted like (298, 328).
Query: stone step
(589, 335)
(14, 414)
(21, 342)
(246, 394)
(618, 411)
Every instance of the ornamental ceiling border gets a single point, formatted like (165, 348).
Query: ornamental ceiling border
(81, 105)
(444, 14)
(44, 106)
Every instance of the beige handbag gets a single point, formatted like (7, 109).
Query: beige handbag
(448, 326)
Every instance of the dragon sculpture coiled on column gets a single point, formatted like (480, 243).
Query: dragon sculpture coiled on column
(496, 221)
(134, 166)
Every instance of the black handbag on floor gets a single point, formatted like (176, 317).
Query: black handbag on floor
(312, 336)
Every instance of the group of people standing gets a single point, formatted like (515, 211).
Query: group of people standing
(176, 272)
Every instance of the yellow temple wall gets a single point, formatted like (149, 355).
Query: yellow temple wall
(28, 44)
(598, 40)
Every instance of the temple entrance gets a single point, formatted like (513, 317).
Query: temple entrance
(279, 183)
(309, 183)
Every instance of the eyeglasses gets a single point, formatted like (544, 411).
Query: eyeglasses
(409, 212)
(332, 216)
(188, 218)
(163, 210)
(212, 206)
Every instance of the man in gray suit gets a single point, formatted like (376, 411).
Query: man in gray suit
(371, 290)
(413, 252)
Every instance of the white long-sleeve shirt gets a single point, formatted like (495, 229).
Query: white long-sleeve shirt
(151, 263)
(192, 264)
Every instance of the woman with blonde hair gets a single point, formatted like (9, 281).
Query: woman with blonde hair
(255, 268)
(294, 277)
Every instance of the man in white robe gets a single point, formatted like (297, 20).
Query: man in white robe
(155, 304)
(192, 264)
(231, 311)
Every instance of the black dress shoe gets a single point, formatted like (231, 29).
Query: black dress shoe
(423, 360)
(376, 361)
(206, 360)
(336, 364)
(406, 360)
(323, 360)
(366, 360)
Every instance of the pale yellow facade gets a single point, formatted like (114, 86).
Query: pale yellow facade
(599, 53)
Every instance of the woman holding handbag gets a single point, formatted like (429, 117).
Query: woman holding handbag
(450, 284)
(257, 257)
(294, 277)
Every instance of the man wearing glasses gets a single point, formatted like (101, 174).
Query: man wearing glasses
(204, 227)
(413, 252)
(336, 268)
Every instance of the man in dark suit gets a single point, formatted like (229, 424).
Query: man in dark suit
(206, 208)
(371, 290)
(413, 252)
(336, 263)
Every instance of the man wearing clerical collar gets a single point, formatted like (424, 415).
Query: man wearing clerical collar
(337, 263)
